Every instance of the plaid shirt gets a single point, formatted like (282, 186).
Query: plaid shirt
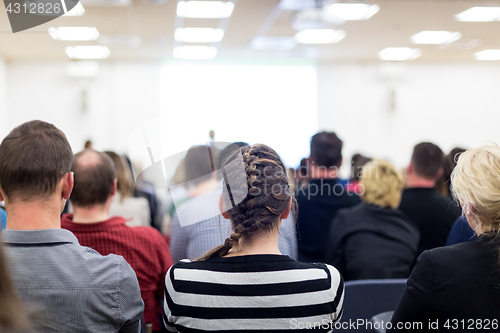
(144, 248)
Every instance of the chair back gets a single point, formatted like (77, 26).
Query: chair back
(367, 298)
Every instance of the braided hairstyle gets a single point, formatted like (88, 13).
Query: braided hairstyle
(256, 191)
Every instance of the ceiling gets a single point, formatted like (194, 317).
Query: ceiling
(393, 25)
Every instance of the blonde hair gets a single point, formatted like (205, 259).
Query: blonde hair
(124, 175)
(476, 184)
(381, 184)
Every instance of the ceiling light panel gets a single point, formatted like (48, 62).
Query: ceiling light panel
(352, 11)
(198, 35)
(491, 54)
(195, 52)
(435, 37)
(479, 14)
(273, 43)
(204, 9)
(87, 52)
(399, 54)
(74, 33)
(319, 36)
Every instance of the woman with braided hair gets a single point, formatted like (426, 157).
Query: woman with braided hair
(246, 284)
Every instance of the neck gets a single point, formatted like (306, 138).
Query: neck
(94, 214)
(265, 242)
(416, 181)
(34, 215)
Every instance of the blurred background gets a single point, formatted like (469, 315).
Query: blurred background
(383, 74)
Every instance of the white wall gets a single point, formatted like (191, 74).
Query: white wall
(448, 104)
(3, 99)
(120, 98)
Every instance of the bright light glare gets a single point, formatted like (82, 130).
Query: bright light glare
(319, 36)
(399, 54)
(199, 35)
(435, 37)
(204, 9)
(479, 14)
(195, 52)
(87, 52)
(352, 11)
(488, 55)
(74, 33)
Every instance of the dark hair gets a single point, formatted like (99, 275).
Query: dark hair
(449, 162)
(88, 144)
(33, 158)
(94, 178)
(200, 162)
(427, 160)
(357, 163)
(256, 176)
(326, 149)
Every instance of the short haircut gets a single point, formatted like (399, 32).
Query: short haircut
(33, 159)
(326, 149)
(94, 178)
(427, 160)
(381, 184)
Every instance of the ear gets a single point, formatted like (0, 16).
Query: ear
(68, 182)
(409, 169)
(115, 187)
(285, 214)
(440, 173)
(222, 208)
(1, 195)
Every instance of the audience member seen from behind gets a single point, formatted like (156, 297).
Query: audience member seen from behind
(196, 237)
(321, 199)
(144, 248)
(430, 211)
(456, 286)
(246, 283)
(449, 162)
(12, 316)
(374, 239)
(69, 287)
(357, 163)
(135, 210)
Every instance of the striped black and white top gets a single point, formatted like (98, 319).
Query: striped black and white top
(253, 293)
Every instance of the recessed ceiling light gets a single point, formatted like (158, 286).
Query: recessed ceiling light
(435, 37)
(488, 55)
(352, 11)
(479, 14)
(319, 36)
(273, 43)
(87, 52)
(78, 10)
(204, 9)
(199, 35)
(399, 53)
(195, 52)
(74, 33)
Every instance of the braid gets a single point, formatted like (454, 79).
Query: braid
(255, 193)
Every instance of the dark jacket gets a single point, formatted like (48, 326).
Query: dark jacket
(456, 286)
(372, 242)
(432, 214)
(318, 204)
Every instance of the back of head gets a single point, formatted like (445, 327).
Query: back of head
(476, 184)
(123, 174)
(326, 149)
(257, 175)
(357, 163)
(33, 159)
(200, 162)
(381, 184)
(94, 178)
(427, 159)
